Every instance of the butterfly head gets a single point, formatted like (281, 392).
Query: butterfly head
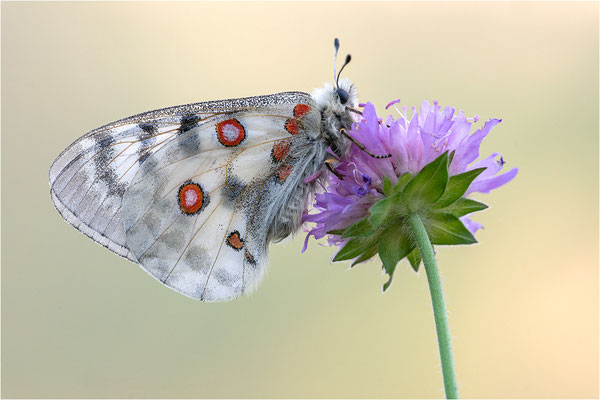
(336, 98)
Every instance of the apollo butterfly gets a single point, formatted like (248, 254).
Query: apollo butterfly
(195, 193)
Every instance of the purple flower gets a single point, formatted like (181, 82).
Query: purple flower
(413, 143)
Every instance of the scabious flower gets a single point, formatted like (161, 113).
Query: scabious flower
(414, 143)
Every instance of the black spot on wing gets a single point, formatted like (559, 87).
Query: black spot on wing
(104, 155)
(191, 144)
(232, 190)
(147, 139)
(223, 277)
(189, 122)
(117, 190)
(151, 164)
(198, 257)
(103, 139)
(187, 146)
(250, 260)
(143, 157)
(148, 128)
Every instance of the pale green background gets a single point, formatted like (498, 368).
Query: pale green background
(78, 321)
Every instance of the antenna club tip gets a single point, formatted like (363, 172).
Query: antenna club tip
(336, 43)
(348, 58)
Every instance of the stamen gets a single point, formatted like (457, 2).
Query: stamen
(391, 103)
(400, 113)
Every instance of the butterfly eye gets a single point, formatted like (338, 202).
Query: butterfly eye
(343, 95)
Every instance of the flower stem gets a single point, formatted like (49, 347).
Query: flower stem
(439, 306)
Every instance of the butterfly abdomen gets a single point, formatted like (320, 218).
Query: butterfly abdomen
(281, 198)
(291, 200)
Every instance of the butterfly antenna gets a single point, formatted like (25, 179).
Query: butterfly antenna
(348, 58)
(362, 146)
(336, 47)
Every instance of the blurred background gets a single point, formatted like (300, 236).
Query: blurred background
(79, 321)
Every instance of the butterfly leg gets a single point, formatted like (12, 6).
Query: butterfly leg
(362, 146)
(329, 164)
(354, 110)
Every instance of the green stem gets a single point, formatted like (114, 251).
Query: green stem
(439, 307)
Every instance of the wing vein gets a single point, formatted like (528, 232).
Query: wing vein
(217, 256)
(95, 155)
(121, 177)
(190, 241)
(249, 225)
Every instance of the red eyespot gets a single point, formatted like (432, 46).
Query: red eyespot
(230, 132)
(250, 258)
(190, 197)
(300, 110)
(291, 125)
(284, 172)
(235, 241)
(280, 150)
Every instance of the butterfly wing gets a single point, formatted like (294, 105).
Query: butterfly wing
(181, 190)
(89, 178)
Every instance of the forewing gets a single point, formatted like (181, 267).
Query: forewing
(89, 178)
(188, 216)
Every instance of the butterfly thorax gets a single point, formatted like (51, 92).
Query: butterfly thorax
(335, 115)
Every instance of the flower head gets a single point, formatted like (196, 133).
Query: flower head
(413, 143)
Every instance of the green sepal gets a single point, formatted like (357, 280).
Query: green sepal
(370, 252)
(387, 284)
(356, 246)
(457, 186)
(451, 157)
(434, 195)
(352, 249)
(402, 182)
(394, 245)
(464, 206)
(362, 228)
(387, 186)
(388, 209)
(379, 211)
(414, 258)
(428, 185)
(446, 229)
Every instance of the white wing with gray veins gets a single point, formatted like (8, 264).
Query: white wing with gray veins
(185, 191)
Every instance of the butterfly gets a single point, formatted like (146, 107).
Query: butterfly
(195, 193)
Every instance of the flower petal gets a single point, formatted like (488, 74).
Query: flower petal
(468, 150)
(471, 225)
(487, 185)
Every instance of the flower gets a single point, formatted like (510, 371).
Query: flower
(413, 143)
